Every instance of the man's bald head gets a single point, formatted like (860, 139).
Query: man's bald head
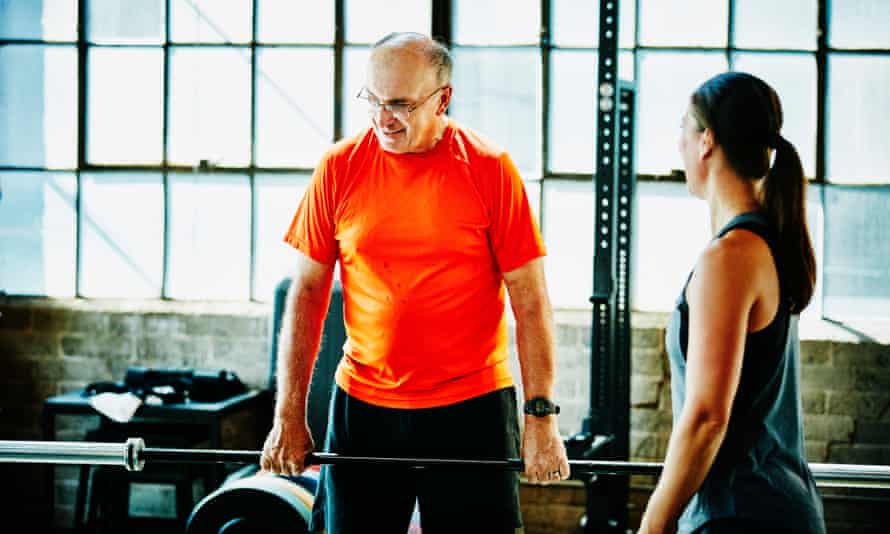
(413, 72)
(394, 45)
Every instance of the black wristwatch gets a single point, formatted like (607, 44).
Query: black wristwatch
(540, 407)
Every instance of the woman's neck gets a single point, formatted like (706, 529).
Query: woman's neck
(730, 195)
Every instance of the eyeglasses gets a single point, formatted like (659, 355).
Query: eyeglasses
(401, 110)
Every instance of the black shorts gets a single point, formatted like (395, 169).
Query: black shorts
(381, 499)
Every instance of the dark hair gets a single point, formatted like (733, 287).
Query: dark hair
(436, 53)
(745, 116)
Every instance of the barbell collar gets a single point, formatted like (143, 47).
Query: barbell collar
(74, 452)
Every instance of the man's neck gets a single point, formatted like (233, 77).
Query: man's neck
(441, 126)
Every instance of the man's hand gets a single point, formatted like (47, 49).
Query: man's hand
(543, 450)
(286, 447)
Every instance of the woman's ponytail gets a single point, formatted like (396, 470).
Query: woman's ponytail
(784, 200)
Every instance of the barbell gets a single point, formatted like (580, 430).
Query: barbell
(133, 455)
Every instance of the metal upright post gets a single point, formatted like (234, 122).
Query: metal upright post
(604, 226)
(607, 427)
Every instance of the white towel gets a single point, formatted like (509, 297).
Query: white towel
(118, 407)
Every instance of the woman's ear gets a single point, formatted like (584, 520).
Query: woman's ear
(706, 144)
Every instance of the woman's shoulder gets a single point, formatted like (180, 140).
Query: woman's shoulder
(742, 243)
(736, 259)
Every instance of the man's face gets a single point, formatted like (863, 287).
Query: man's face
(407, 80)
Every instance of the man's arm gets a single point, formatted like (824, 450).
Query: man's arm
(305, 309)
(542, 448)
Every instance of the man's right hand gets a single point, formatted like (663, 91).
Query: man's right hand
(286, 447)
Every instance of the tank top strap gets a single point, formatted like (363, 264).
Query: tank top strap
(756, 222)
(753, 221)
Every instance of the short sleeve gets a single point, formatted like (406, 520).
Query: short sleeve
(514, 232)
(312, 230)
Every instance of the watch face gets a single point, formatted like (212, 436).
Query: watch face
(540, 406)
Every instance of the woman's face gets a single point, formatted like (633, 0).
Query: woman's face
(690, 151)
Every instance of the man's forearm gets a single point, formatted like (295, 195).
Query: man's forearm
(298, 345)
(534, 328)
(534, 343)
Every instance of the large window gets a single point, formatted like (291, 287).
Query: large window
(157, 149)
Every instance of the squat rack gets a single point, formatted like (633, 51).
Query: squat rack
(605, 431)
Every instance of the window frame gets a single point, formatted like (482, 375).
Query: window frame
(441, 27)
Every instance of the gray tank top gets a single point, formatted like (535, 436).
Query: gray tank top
(760, 471)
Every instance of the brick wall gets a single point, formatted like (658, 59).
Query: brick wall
(50, 347)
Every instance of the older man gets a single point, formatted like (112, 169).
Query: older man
(429, 221)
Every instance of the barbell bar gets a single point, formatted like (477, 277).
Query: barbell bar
(133, 455)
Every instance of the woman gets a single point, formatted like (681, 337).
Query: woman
(735, 460)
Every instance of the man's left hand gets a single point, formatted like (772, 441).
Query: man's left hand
(543, 451)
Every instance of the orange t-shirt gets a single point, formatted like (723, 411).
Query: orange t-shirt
(422, 240)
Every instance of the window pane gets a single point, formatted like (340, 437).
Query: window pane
(286, 21)
(369, 20)
(683, 23)
(572, 110)
(355, 116)
(793, 76)
(47, 20)
(125, 106)
(295, 112)
(126, 21)
(626, 68)
(123, 235)
(498, 93)
(666, 81)
(816, 225)
(211, 21)
(661, 260)
(38, 103)
(858, 119)
(857, 252)
(37, 233)
(209, 106)
(496, 22)
(859, 24)
(568, 234)
(276, 202)
(209, 237)
(770, 24)
(576, 22)
(533, 191)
